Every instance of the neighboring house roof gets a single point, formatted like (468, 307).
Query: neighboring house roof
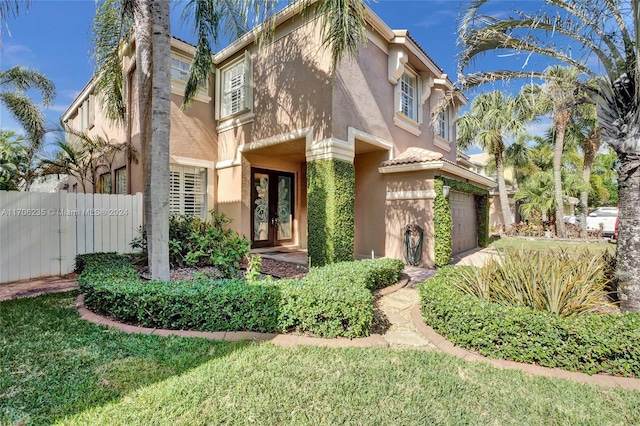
(417, 159)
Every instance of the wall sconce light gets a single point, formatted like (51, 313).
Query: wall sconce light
(445, 191)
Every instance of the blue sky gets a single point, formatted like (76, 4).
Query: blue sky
(54, 38)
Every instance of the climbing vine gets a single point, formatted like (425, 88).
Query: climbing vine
(331, 211)
(442, 226)
(444, 222)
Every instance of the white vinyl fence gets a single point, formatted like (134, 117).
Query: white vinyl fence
(41, 233)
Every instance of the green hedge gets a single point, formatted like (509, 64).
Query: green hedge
(443, 221)
(443, 226)
(368, 273)
(589, 343)
(332, 301)
(331, 211)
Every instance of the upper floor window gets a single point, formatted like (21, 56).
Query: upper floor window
(408, 101)
(443, 125)
(86, 114)
(233, 100)
(235, 82)
(179, 69)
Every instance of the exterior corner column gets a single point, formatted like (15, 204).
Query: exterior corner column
(330, 201)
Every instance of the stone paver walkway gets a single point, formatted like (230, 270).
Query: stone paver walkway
(397, 314)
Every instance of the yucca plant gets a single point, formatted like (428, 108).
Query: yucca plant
(558, 281)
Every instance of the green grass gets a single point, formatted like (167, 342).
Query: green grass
(544, 245)
(55, 368)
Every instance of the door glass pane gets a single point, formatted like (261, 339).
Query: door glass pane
(261, 208)
(285, 230)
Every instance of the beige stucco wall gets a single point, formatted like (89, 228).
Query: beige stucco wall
(399, 213)
(369, 205)
(363, 98)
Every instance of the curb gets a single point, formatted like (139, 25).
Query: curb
(530, 369)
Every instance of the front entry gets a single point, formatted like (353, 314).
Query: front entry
(272, 208)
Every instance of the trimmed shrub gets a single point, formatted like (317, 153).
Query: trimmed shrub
(195, 242)
(331, 303)
(326, 308)
(371, 274)
(590, 343)
(331, 211)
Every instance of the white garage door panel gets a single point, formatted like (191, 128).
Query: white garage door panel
(463, 210)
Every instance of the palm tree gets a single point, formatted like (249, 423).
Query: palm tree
(583, 132)
(493, 117)
(578, 33)
(14, 83)
(537, 195)
(12, 152)
(146, 22)
(558, 96)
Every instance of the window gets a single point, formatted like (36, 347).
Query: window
(104, 184)
(86, 114)
(408, 104)
(121, 180)
(234, 90)
(235, 82)
(179, 69)
(187, 190)
(443, 125)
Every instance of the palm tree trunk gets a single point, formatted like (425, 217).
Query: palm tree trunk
(507, 220)
(153, 43)
(628, 246)
(562, 118)
(158, 175)
(590, 147)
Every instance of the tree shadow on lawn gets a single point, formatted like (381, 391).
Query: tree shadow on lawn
(56, 365)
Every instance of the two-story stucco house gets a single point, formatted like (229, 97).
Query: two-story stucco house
(247, 144)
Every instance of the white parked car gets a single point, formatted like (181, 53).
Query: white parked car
(605, 216)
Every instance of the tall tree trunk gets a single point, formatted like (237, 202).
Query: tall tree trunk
(158, 175)
(628, 246)
(507, 219)
(590, 147)
(142, 28)
(153, 43)
(562, 118)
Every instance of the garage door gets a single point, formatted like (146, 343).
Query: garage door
(463, 209)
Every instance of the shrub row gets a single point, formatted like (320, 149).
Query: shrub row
(590, 343)
(371, 274)
(330, 302)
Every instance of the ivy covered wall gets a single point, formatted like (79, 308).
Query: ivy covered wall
(331, 211)
(442, 226)
(443, 222)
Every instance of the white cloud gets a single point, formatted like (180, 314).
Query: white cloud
(16, 54)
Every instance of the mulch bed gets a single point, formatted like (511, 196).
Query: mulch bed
(270, 267)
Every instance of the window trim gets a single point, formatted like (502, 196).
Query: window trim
(197, 170)
(400, 118)
(178, 85)
(105, 178)
(118, 171)
(245, 113)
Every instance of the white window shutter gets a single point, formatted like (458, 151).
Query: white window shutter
(248, 81)
(218, 94)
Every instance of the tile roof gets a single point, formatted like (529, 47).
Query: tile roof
(413, 155)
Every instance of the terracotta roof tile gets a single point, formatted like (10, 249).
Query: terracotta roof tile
(414, 155)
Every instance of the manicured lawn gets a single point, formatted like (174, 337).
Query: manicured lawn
(57, 368)
(550, 244)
